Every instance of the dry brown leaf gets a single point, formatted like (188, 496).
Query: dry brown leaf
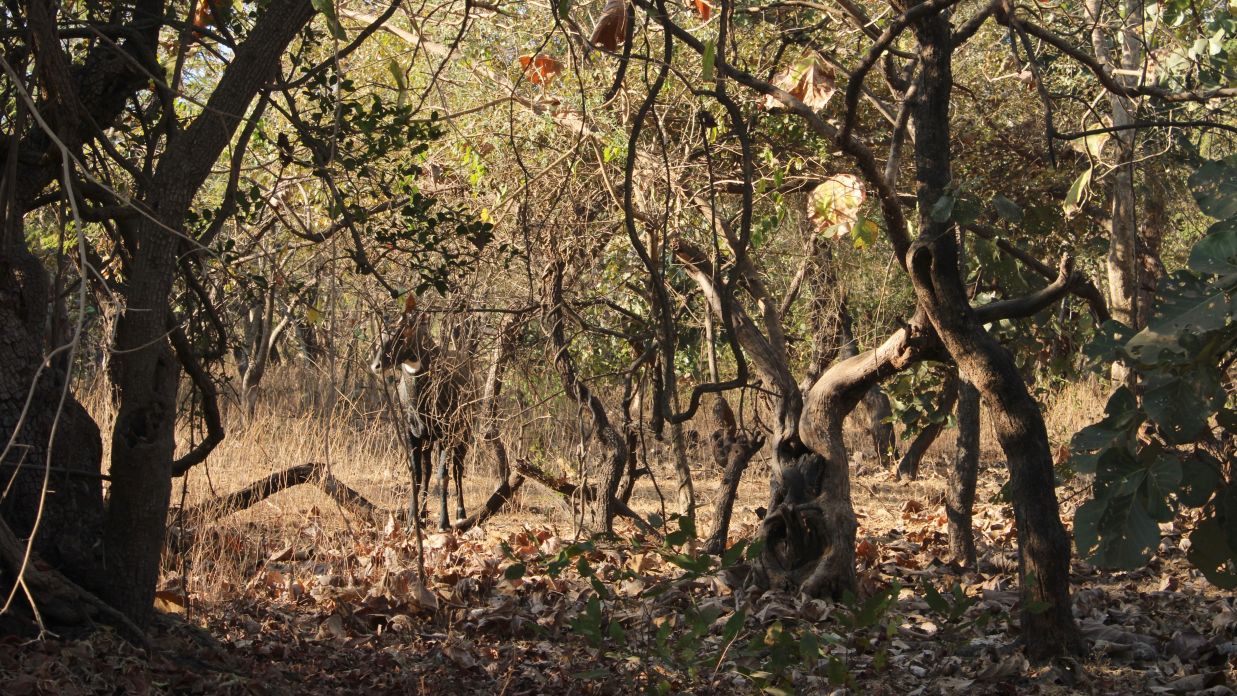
(540, 69)
(460, 652)
(333, 627)
(281, 555)
(171, 601)
(1011, 666)
(866, 551)
(423, 596)
(703, 8)
(808, 79)
(833, 206)
(611, 28)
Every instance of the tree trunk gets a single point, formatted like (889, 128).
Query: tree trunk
(880, 413)
(607, 437)
(1122, 261)
(145, 373)
(1047, 624)
(960, 491)
(50, 449)
(732, 451)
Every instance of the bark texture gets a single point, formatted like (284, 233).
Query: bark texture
(144, 371)
(1048, 627)
(613, 443)
(960, 491)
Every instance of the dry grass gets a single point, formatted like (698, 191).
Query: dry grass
(297, 421)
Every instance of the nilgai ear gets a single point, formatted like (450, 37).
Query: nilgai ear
(410, 304)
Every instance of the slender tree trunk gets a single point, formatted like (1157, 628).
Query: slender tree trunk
(1122, 261)
(494, 382)
(609, 438)
(960, 491)
(260, 351)
(682, 469)
(732, 451)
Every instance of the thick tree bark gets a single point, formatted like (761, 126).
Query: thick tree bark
(880, 413)
(828, 568)
(144, 371)
(960, 490)
(732, 451)
(1047, 624)
(50, 450)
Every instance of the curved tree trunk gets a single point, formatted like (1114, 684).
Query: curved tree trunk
(1047, 623)
(732, 451)
(605, 433)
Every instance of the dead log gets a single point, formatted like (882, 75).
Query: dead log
(569, 491)
(256, 492)
(497, 500)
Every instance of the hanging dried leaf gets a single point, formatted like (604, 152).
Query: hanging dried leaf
(703, 8)
(611, 27)
(833, 206)
(209, 13)
(540, 69)
(809, 79)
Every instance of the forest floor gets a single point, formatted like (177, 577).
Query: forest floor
(293, 596)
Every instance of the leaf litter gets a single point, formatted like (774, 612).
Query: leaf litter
(522, 609)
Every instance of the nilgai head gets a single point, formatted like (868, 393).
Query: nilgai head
(408, 343)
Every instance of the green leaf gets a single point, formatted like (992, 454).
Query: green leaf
(1161, 483)
(1121, 418)
(695, 564)
(1216, 253)
(837, 671)
(327, 8)
(1007, 209)
(1077, 193)
(1200, 474)
(864, 232)
(934, 599)
(1181, 405)
(809, 647)
(1115, 532)
(1109, 342)
(733, 625)
(1211, 553)
(1214, 186)
(733, 554)
(943, 208)
(709, 58)
(515, 571)
(1189, 304)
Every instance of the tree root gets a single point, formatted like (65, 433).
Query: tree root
(58, 599)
